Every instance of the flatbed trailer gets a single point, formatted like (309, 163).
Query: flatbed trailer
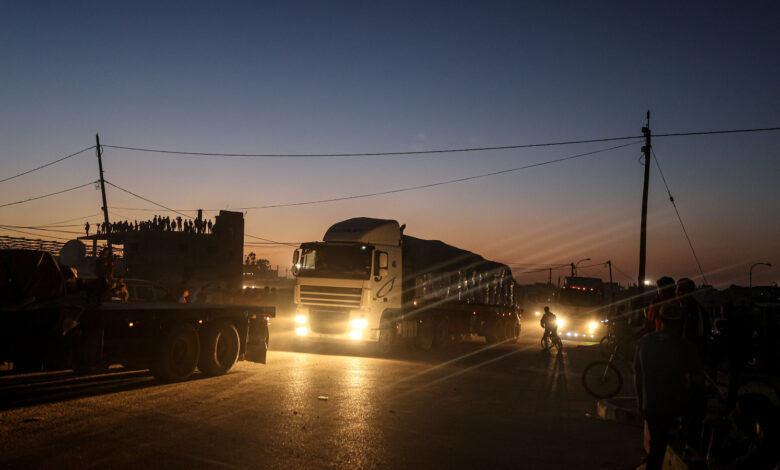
(50, 323)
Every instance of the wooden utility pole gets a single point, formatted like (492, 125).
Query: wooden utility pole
(611, 290)
(643, 230)
(103, 190)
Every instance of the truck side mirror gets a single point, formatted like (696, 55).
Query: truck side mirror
(295, 258)
(380, 264)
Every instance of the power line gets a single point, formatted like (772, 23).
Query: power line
(185, 215)
(440, 183)
(428, 152)
(47, 195)
(147, 200)
(39, 229)
(411, 188)
(54, 224)
(368, 154)
(679, 217)
(630, 278)
(730, 131)
(48, 164)
(33, 234)
(269, 241)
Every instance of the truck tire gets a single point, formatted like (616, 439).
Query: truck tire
(219, 348)
(386, 342)
(441, 333)
(176, 354)
(512, 330)
(490, 329)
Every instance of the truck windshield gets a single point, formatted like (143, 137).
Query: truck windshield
(351, 261)
(580, 297)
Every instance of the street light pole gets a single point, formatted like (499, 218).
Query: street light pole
(574, 266)
(750, 285)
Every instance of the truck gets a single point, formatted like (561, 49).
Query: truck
(50, 319)
(367, 281)
(582, 306)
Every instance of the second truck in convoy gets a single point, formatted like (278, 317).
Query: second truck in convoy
(367, 281)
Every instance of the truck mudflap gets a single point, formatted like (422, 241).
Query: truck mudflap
(257, 340)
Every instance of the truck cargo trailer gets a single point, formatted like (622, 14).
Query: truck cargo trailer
(368, 282)
(51, 320)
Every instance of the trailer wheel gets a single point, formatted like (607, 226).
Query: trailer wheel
(512, 330)
(219, 348)
(424, 339)
(176, 354)
(490, 332)
(441, 333)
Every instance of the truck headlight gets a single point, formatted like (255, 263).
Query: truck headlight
(593, 325)
(360, 323)
(560, 322)
(356, 334)
(301, 331)
(300, 319)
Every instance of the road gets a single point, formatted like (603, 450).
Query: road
(473, 406)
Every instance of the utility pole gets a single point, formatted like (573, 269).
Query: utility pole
(103, 190)
(611, 290)
(643, 230)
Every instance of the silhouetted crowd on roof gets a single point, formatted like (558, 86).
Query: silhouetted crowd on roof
(690, 380)
(157, 224)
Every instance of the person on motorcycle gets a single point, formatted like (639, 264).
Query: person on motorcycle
(550, 323)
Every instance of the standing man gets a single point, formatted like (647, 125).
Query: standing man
(667, 370)
(86, 227)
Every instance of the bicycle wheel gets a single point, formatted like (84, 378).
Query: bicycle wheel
(760, 385)
(602, 379)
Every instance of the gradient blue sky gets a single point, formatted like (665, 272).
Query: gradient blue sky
(303, 77)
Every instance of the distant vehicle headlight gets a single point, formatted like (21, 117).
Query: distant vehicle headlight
(359, 323)
(593, 325)
(537, 313)
(300, 319)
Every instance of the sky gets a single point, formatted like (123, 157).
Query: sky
(360, 77)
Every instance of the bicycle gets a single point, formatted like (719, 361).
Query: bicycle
(550, 340)
(602, 379)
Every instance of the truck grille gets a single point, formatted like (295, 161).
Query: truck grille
(335, 296)
(329, 321)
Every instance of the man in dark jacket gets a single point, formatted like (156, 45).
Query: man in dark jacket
(666, 366)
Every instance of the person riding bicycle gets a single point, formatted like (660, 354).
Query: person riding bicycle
(550, 323)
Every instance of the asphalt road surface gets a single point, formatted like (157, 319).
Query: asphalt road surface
(473, 406)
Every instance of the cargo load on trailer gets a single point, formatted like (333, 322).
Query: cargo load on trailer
(367, 281)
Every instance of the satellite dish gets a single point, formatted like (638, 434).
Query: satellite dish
(73, 253)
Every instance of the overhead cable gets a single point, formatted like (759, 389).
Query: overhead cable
(679, 217)
(369, 154)
(145, 199)
(269, 241)
(440, 183)
(729, 131)
(39, 229)
(427, 152)
(47, 195)
(33, 234)
(48, 164)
